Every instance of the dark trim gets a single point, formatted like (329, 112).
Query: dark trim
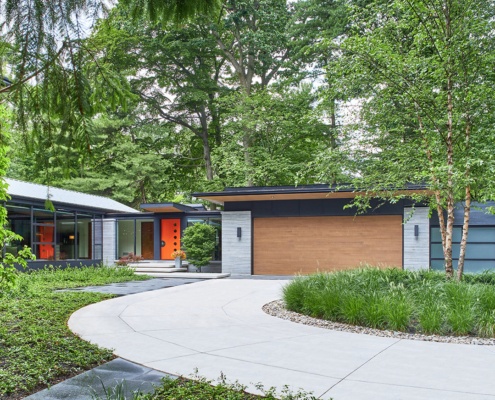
(156, 237)
(319, 188)
(252, 244)
(179, 207)
(65, 206)
(314, 208)
(403, 240)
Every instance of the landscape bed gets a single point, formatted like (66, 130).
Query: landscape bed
(37, 349)
(422, 302)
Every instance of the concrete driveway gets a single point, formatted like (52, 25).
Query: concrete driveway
(218, 327)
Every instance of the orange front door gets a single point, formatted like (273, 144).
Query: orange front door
(169, 237)
(46, 235)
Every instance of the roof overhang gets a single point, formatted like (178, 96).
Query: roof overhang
(166, 207)
(300, 193)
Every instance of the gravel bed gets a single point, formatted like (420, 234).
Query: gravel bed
(277, 309)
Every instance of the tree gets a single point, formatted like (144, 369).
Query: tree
(426, 73)
(286, 134)
(181, 83)
(199, 243)
(172, 10)
(8, 261)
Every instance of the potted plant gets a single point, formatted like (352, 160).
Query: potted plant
(178, 256)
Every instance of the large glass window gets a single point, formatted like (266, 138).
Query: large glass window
(60, 235)
(19, 218)
(44, 234)
(480, 249)
(84, 236)
(135, 236)
(66, 236)
(125, 237)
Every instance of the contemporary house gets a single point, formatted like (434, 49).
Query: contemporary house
(88, 229)
(287, 230)
(261, 230)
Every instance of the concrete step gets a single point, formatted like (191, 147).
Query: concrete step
(155, 264)
(189, 275)
(159, 271)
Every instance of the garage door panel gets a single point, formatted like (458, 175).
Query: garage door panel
(307, 244)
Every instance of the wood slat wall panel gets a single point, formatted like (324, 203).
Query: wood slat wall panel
(289, 245)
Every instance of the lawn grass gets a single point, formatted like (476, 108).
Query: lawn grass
(416, 302)
(36, 347)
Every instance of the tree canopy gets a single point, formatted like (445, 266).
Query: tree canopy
(425, 74)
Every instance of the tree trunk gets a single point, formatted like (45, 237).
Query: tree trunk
(207, 157)
(465, 230)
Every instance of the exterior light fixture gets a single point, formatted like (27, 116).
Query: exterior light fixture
(416, 230)
(239, 232)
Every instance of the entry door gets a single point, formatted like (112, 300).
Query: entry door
(169, 237)
(147, 240)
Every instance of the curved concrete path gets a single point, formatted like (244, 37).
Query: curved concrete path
(218, 327)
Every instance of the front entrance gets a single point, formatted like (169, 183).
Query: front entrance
(147, 240)
(169, 237)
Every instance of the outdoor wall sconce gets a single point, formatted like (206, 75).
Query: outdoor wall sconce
(239, 232)
(416, 230)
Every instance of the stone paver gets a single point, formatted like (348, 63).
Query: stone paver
(102, 380)
(133, 287)
(217, 326)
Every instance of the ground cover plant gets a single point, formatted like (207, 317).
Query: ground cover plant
(37, 348)
(201, 388)
(416, 302)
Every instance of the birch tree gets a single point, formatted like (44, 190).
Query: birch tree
(425, 69)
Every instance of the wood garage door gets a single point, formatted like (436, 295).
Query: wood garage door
(285, 246)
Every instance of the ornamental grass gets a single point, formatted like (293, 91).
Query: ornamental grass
(414, 302)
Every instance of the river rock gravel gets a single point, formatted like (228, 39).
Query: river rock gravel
(277, 309)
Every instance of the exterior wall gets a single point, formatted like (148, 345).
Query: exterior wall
(109, 232)
(236, 252)
(416, 248)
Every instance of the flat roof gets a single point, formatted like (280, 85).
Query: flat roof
(20, 190)
(303, 192)
(171, 207)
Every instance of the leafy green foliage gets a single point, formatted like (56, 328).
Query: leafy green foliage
(8, 271)
(199, 243)
(203, 389)
(175, 10)
(422, 71)
(36, 346)
(398, 300)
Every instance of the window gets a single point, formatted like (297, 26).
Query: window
(480, 249)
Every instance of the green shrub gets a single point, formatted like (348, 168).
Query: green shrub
(199, 243)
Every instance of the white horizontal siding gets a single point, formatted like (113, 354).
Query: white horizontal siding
(416, 248)
(109, 232)
(236, 252)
